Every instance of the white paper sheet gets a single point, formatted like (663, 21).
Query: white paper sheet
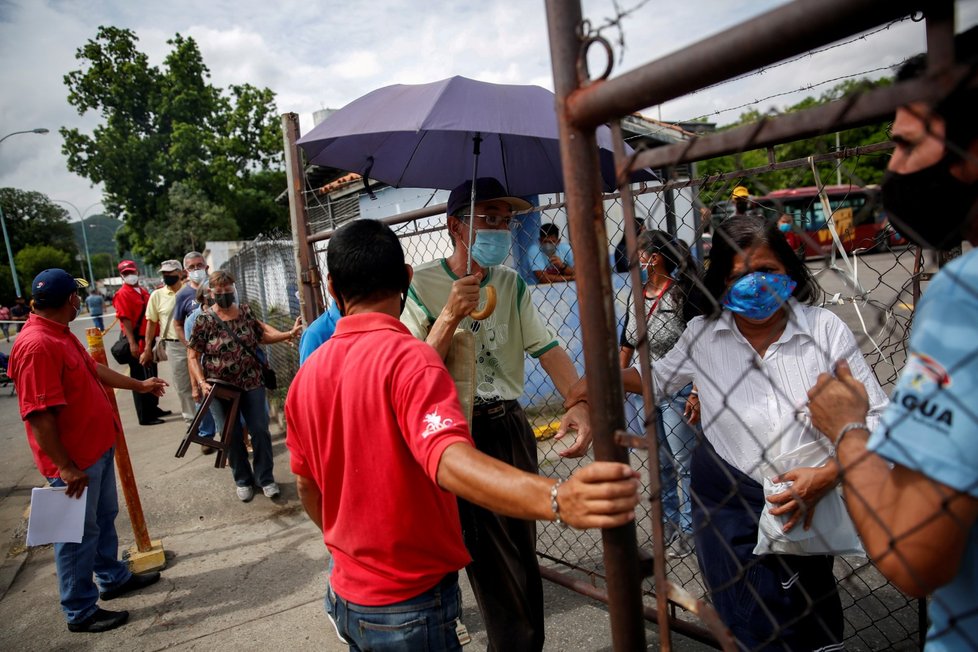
(55, 518)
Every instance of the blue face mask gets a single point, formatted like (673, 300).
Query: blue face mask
(643, 274)
(758, 295)
(491, 246)
(784, 227)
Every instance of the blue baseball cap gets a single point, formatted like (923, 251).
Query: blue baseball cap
(53, 286)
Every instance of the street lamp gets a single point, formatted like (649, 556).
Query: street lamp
(81, 218)
(3, 222)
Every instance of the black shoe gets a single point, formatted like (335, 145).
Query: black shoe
(207, 450)
(163, 413)
(100, 621)
(152, 422)
(134, 583)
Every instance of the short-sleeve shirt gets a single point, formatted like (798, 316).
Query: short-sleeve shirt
(160, 309)
(130, 303)
(501, 339)
(20, 311)
(186, 301)
(369, 416)
(931, 426)
(224, 358)
(540, 262)
(319, 331)
(95, 303)
(52, 370)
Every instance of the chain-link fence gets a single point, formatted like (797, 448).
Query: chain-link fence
(265, 278)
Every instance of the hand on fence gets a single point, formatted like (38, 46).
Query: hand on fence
(808, 485)
(576, 418)
(602, 494)
(463, 299)
(837, 401)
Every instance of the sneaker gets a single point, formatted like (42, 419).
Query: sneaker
(101, 621)
(271, 490)
(245, 494)
(680, 547)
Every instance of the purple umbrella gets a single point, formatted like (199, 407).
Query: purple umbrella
(422, 136)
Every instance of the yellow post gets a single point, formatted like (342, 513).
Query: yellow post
(146, 555)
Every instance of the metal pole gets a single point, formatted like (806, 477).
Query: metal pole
(81, 219)
(800, 26)
(3, 221)
(10, 254)
(307, 273)
(585, 211)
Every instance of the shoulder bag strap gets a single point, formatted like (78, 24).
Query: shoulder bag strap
(247, 348)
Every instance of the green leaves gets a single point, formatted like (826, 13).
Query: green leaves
(167, 133)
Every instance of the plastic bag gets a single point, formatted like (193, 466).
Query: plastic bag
(832, 531)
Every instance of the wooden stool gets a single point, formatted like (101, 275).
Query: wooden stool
(222, 390)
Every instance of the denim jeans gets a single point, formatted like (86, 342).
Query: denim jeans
(98, 552)
(424, 623)
(98, 323)
(676, 441)
(207, 426)
(254, 410)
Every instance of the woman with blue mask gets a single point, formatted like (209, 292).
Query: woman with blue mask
(753, 357)
(664, 265)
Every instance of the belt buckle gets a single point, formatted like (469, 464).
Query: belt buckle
(496, 411)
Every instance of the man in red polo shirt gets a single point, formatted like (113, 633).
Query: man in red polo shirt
(380, 447)
(130, 308)
(71, 429)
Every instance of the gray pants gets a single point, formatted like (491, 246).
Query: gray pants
(177, 354)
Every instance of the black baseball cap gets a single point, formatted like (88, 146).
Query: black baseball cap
(486, 189)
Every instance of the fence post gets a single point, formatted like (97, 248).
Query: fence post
(306, 271)
(585, 212)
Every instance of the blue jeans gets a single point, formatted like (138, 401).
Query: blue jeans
(676, 441)
(98, 552)
(98, 323)
(207, 426)
(423, 623)
(254, 410)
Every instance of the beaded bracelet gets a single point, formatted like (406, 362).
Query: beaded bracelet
(553, 503)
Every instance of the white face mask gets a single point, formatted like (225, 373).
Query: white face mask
(198, 275)
(130, 279)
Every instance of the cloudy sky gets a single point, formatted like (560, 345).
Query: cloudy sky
(324, 54)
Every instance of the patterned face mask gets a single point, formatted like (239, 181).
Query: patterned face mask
(758, 295)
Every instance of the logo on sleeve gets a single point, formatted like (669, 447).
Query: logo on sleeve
(434, 423)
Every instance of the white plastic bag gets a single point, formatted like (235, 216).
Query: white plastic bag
(831, 532)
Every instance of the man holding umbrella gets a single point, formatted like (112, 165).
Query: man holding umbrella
(504, 573)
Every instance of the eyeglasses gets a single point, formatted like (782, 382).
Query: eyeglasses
(493, 220)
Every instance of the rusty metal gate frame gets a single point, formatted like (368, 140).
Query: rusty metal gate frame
(584, 103)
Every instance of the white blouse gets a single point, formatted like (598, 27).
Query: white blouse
(752, 409)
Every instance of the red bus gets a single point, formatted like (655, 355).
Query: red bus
(856, 211)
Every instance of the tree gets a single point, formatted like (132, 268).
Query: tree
(169, 125)
(34, 259)
(191, 219)
(33, 219)
(859, 171)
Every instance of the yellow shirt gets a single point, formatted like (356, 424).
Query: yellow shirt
(162, 303)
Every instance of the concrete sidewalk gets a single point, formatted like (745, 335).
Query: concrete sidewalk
(238, 576)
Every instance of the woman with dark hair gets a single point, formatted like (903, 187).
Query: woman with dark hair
(753, 357)
(665, 264)
(621, 249)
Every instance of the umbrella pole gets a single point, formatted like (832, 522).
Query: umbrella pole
(476, 142)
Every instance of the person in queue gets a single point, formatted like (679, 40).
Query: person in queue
(130, 309)
(753, 358)
(504, 573)
(226, 337)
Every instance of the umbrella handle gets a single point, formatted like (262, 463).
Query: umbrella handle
(490, 306)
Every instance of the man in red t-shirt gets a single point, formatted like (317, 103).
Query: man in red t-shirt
(130, 309)
(71, 428)
(373, 417)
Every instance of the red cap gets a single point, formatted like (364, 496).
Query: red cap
(127, 266)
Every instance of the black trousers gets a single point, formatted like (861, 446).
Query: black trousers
(147, 405)
(504, 572)
(769, 602)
